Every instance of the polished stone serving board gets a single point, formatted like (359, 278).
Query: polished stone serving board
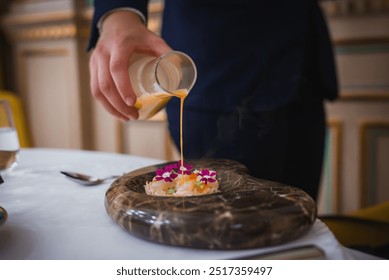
(246, 213)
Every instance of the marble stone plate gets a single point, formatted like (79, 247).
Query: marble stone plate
(246, 213)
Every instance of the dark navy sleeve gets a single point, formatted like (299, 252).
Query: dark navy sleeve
(103, 6)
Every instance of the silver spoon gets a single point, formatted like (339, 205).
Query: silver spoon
(86, 180)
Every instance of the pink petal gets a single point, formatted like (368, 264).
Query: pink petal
(160, 171)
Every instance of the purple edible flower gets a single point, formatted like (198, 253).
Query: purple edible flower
(184, 168)
(207, 176)
(167, 174)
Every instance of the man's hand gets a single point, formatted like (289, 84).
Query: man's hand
(122, 34)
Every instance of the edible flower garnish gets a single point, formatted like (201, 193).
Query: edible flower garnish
(167, 174)
(207, 176)
(170, 172)
(180, 179)
(183, 168)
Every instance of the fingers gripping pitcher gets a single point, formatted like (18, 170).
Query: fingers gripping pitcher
(156, 79)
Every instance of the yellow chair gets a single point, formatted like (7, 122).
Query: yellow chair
(19, 117)
(366, 229)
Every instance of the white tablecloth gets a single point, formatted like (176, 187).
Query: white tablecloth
(51, 217)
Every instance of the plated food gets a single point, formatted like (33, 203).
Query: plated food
(181, 179)
(245, 212)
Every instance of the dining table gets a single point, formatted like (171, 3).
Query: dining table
(50, 217)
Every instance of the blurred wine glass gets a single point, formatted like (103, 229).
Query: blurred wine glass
(9, 141)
